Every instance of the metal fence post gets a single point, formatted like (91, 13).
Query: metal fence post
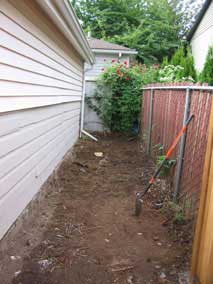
(150, 122)
(182, 147)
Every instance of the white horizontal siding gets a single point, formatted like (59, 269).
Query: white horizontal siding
(203, 39)
(40, 99)
(91, 120)
(103, 61)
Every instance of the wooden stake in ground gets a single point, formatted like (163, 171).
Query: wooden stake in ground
(202, 259)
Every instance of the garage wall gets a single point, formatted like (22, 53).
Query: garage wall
(91, 120)
(102, 61)
(203, 39)
(40, 97)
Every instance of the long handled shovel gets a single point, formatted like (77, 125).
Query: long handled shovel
(140, 195)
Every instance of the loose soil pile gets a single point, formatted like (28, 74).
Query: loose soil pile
(85, 231)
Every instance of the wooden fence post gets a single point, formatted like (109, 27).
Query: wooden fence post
(202, 257)
(149, 140)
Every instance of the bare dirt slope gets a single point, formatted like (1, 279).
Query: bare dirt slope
(86, 231)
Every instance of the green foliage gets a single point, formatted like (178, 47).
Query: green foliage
(188, 64)
(207, 73)
(165, 62)
(150, 27)
(117, 99)
(179, 217)
(167, 166)
(171, 73)
(176, 211)
(178, 56)
(183, 57)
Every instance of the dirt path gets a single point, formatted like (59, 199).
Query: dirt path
(91, 235)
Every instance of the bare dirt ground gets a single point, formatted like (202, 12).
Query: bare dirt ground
(85, 231)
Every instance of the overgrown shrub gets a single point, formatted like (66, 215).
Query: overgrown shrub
(171, 73)
(117, 99)
(184, 58)
(207, 73)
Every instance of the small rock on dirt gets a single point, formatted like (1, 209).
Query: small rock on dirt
(184, 278)
(17, 273)
(45, 263)
(162, 275)
(156, 238)
(130, 280)
(15, 257)
(99, 154)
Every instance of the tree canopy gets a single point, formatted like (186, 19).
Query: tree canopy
(153, 27)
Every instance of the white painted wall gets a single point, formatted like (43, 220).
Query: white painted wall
(91, 120)
(203, 39)
(102, 61)
(40, 97)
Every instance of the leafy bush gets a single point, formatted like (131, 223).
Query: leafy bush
(178, 57)
(167, 166)
(117, 99)
(207, 73)
(171, 73)
(184, 58)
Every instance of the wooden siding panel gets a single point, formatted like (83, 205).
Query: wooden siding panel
(103, 61)
(11, 58)
(40, 98)
(203, 39)
(206, 22)
(14, 44)
(17, 174)
(16, 24)
(13, 203)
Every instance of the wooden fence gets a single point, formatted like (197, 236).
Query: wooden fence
(165, 107)
(202, 259)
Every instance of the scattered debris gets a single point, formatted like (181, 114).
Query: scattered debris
(99, 206)
(15, 257)
(80, 164)
(45, 263)
(28, 243)
(121, 265)
(162, 275)
(184, 278)
(103, 162)
(83, 170)
(156, 238)
(99, 154)
(123, 268)
(17, 273)
(173, 272)
(59, 236)
(130, 280)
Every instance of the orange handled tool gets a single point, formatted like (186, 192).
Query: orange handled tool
(139, 195)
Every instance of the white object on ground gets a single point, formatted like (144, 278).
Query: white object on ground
(45, 263)
(15, 257)
(98, 154)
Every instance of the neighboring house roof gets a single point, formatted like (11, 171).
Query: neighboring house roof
(101, 46)
(199, 19)
(64, 17)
